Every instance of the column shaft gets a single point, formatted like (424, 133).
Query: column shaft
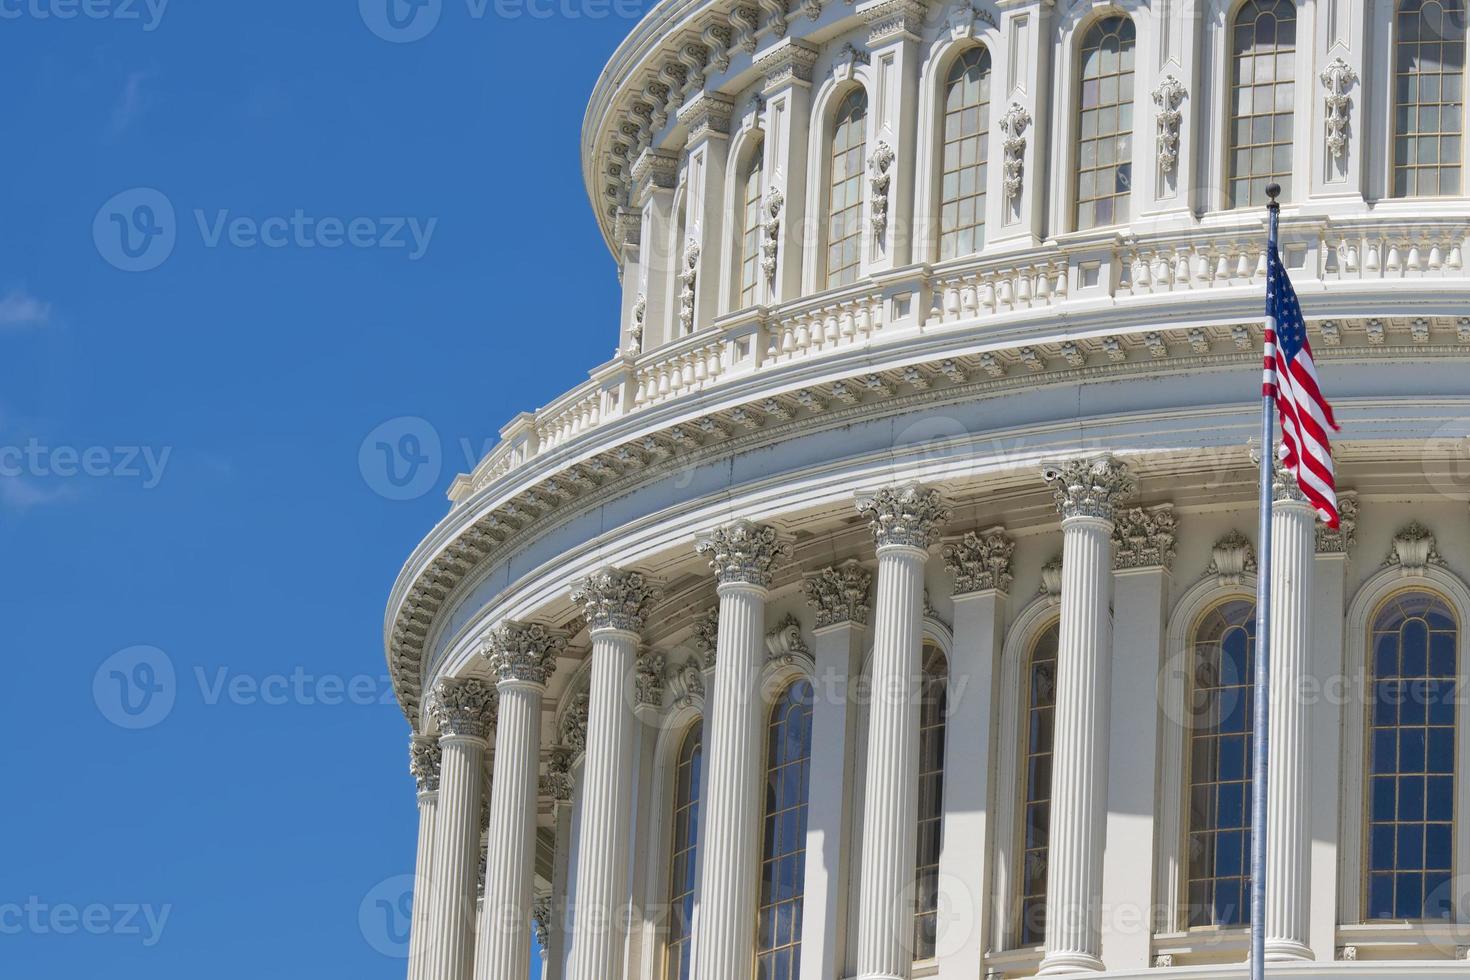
(890, 807)
(1079, 761)
(727, 896)
(602, 873)
(505, 921)
(451, 939)
(1288, 856)
(422, 886)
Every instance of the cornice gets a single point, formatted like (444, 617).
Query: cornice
(928, 370)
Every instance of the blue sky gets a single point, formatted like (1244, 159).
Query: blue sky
(180, 482)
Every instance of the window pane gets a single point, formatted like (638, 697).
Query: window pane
(1411, 756)
(1105, 123)
(932, 711)
(844, 187)
(1263, 48)
(684, 861)
(1036, 770)
(1221, 702)
(965, 144)
(783, 848)
(1428, 92)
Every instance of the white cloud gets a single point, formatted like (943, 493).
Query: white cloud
(20, 494)
(130, 104)
(20, 310)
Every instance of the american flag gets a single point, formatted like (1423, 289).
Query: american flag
(1291, 378)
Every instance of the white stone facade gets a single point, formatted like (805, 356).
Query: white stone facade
(741, 649)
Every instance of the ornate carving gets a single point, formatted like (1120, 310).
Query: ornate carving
(541, 920)
(655, 168)
(1013, 124)
(615, 599)
(1051, 579)
(776, 16)
(1337, 78)
(1167, 96)
(743, 552)
(1284, 485)
(844, 65)
(980, 561)
(963, 18)
(771, 231)
(648, 680)
(1089, 486)
(463, 706)
(1164, 960)
(716, 38)
(1340, 540)
(789, 61)
(686, 685)
(908, 515)
(879, 163)
(894, 18)
(706, 636)
(524, 652)
(556, 784)
(1144, 538)
(635, 332)
(1233, 557)
(784, 643)
(745, 21)
(1413, 550)
(424, 756)
(687, 278)
(1347, 953)
(707, 114)
(839, 594)
(573, 728)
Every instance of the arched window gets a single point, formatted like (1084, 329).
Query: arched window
(845, 183)
(933, 707)
(1105, 123)
(1428, 97)
(750, 242)
(783, 848)
(1041, 700)
(965, 154)
(1411, 758)
(683, 865)
(1262, 100)
(1221, 707)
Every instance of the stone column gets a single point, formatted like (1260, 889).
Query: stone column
(1330, 607)
(615, 602)
(743, 555)
(981, 564)
(464, 711)
(522, 656)
(1288, 848)
(1143, 548)
(840, 596)
(1086, 492)
(903, 520)
(894, 30)
(423, 762)
(1020, 106)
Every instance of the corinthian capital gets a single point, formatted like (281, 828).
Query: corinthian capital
(524, 652)
(1144, 538)
(423, 761)
(463, 707)
(743, 552)
(980, 561)
(907, 515)
(615, 599)
(1089, 487)
(839, 594)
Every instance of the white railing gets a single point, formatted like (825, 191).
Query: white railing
(1357, 248)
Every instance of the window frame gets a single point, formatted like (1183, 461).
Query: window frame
(826, 161)
(940, 116)
(1391, 101)
(1073, 197)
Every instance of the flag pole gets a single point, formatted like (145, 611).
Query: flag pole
(1263, 647)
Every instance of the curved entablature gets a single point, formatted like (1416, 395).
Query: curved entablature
(932, 372)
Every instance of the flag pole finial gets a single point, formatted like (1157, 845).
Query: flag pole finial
(1273, 191)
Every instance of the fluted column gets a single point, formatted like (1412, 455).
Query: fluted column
(464, 710)
(1288, 855)
(1086, 492)
(423, 762)
(903, 520)
(615, 603)
(743, 556)
(557, 785)
(521, 656)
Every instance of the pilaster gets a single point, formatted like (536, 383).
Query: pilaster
(840, 596)
(707, 118)
(1020, 114)
(654, 174)
(787, 67)
(894, 28)
(1337, 77)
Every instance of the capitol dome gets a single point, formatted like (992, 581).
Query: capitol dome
(884, 608)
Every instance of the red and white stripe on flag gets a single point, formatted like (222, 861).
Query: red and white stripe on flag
(1306, 417)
